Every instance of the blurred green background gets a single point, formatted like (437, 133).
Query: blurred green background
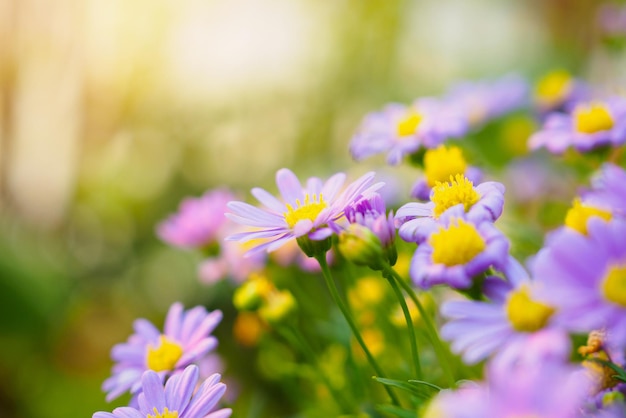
(111, 111)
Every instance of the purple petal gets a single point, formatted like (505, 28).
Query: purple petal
(289, 185)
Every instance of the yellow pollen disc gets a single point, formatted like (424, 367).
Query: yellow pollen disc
(458, 190)
(442, 162)
(614, 285)
(409, 123)
(578, 215)
(456, 245)
(525, 314)
(309, 209)
(593, 118)
(164, 356)
(553, 87)
(166, 414)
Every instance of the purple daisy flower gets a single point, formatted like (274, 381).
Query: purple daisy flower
(558, 91)
(608, 189)
(544, 389)
(484, 100)
(590, 125)
(505, 324)
(481, 203)
(400, 130)
(584, 278)
(439, 164)
(536, 386)
(199, 222)
(303, 212)
(177, 399)
(459, 251)
(186, 339)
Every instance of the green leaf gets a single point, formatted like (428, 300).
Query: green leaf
(422, 390)
(428, 384)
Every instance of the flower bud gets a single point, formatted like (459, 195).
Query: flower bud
(360, 245)
(278, 307)
(251, 294)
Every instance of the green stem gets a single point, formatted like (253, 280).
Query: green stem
(409, 324)
(346, 313)
(296, 339)
(442, 353)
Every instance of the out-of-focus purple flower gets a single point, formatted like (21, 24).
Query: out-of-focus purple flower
(440, 164)
(459, 251)
(482, 101)
(302, 212)
(559, 91)
(186, 339)
(608, 189)
(535, 387)
(506, 324)
(584, 277)
(611, 19)
(231, 262)
(532, 178)
(470, 400)
(199, 222)
(547, 389)
(589, 126)
(178, 398)
(400, 130)
(481, 203)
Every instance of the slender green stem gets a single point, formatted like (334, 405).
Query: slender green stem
(441, 351)
(296, 339)
(346, 313)
(409, 324)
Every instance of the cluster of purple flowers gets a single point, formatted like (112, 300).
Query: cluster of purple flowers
(161, 369)
(575, 287)
(519, 321)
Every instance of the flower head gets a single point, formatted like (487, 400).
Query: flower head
(584, 277)
(458, 251)
(440, 164)
(536, 386)
(484, 100)
(199, 222)
(176, 399)
(608, 189)
(400, 130)
(185, 340)
(558, 90)
(481, 203)
(510, 319)
(590, 125)
(303, 211)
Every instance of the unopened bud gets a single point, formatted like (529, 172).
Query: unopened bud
(278, 307)
(361, 246)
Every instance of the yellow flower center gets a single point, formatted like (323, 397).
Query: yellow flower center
(442, 162)
(309, 209)
(593, 118)
(164, 356)
(578, 215)
(458, 190)
(553, 87)
(409, 123)
(525, 314)
(166, 414)
(456, 245)
(614, 285)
